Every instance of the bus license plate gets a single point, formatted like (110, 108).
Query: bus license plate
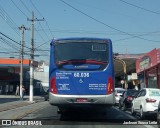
(81, 100)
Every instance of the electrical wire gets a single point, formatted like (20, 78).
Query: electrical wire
(140, 7)
(42, 16)
(25, 6)
(43, 44)
(18, 8)
(108, 26)
(4, 15)
(149, 33)
(27, 16)
(9, 44)
(12, 40)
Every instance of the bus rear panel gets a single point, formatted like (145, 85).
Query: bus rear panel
(81, 72)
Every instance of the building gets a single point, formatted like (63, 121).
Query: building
(148, 68)
(41, 76)
(10, 75)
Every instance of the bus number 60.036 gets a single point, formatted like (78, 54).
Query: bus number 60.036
(82, 74)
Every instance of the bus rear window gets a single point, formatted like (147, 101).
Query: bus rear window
(81, 51)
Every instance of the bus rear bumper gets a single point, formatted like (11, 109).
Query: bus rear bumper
(80, 100)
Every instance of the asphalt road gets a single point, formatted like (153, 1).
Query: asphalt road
(79, 118)
(81, 114)
(111, 117)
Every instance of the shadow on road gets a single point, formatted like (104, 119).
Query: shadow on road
(106, 115)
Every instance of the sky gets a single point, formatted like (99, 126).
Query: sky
(133, 26)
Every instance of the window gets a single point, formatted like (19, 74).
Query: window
(143, 93)
(73, 51)
(154, 93)
(139, 94)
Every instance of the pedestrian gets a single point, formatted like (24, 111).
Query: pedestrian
(23, 92)
(17, 90)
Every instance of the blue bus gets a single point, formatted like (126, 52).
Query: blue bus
(81, 72)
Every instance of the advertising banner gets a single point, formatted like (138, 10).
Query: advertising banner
(147, 61)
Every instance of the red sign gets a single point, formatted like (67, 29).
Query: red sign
(147, 61)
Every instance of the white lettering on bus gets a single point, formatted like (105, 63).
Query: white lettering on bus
(81, 74)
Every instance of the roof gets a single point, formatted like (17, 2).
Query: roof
(130, 61)
(16, 62)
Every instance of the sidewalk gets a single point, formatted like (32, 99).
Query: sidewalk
(16, 102)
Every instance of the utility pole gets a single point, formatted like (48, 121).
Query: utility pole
(21, 57)
(32, 55)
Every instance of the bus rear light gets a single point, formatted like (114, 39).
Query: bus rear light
(110, 86)
(53, 85)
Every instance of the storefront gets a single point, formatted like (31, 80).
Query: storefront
(148, 69)
(10, 75)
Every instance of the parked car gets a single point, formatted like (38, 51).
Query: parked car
(126, 98)
(146, 102)
(118, 93)
(158, 115)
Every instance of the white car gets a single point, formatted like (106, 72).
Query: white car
(146, 102)
(118, 93)
(158, 115)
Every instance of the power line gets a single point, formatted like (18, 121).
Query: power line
(36, 49)
(100, 32)
(43, 30)
(7, 51)
(138, 35)
(37, 20)
(25, 6)
(27, 16)
(42, 44)
(12, 40)
(140, 7)
(108, 26)
(49, 29)
(11, 45)
(8, 43)
(19, 8)
(41, 16)
(38, 13)
(36, 8)
(12, 20)
(8, 20)
(9, 38)
(23, 12)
